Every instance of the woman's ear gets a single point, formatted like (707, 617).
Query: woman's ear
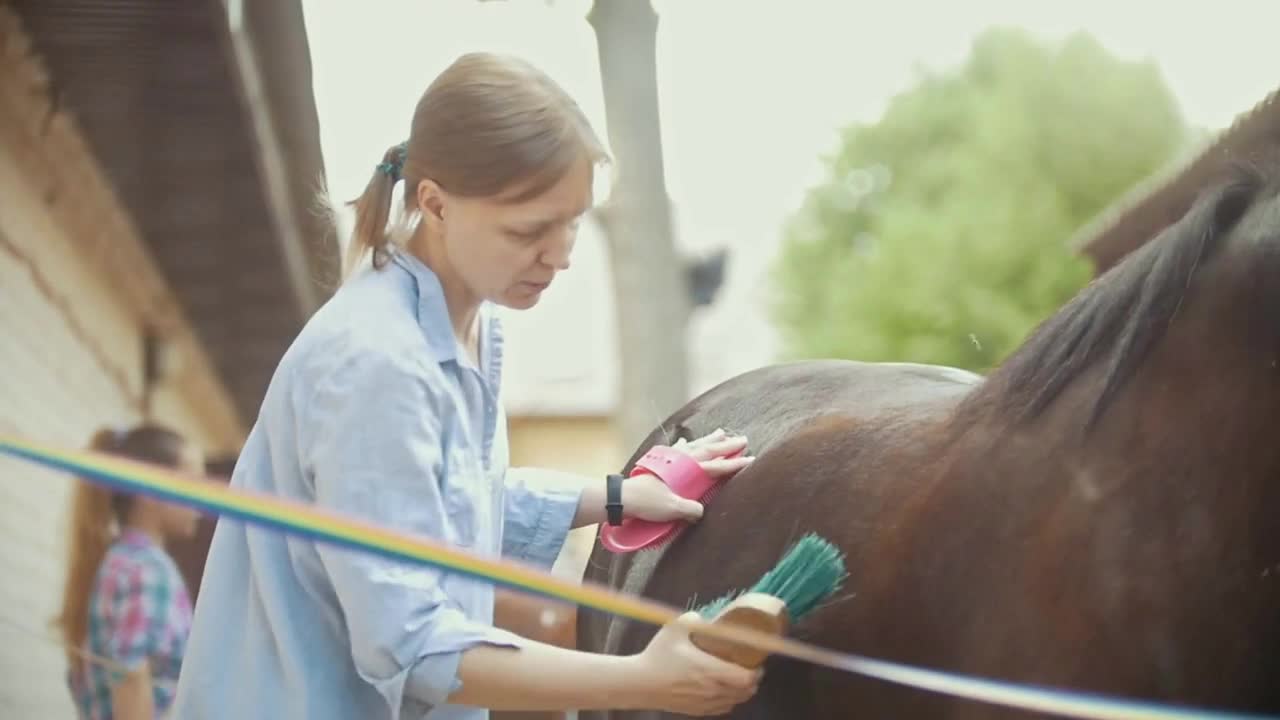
(430, 199)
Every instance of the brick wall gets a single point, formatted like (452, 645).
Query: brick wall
(69, 362)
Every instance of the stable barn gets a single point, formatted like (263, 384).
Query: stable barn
(157, 254)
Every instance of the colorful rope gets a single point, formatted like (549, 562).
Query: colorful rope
(306, 521)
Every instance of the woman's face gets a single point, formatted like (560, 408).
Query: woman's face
(509, 252)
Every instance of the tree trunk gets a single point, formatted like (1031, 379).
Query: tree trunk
(652, 299)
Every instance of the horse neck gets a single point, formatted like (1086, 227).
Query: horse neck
(1190, 436)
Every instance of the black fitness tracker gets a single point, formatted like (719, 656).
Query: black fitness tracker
(613, 498)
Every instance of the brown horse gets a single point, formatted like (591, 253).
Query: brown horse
(1101, 513)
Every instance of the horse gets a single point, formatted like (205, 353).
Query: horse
(1099, 513)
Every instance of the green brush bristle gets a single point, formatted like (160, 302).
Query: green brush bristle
(811, 571)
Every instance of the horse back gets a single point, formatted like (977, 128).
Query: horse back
(820, 432)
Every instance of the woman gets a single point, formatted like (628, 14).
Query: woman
(124, 600)
(387, 407)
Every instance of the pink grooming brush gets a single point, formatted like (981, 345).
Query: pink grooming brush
(685, 477)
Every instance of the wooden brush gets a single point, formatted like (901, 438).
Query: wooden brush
(807, 575)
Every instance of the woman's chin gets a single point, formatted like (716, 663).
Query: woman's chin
(521, 297)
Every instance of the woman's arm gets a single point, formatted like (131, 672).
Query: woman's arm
(670, 675)
(131, 698)
(591, 509)
(648, 498)
(371, 435)
(374, 447)
(543, 505)
(545, 677)
(643, 496)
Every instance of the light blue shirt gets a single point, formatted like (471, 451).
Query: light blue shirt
(376, 412)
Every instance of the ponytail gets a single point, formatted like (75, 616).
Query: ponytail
(373, 211)
(94, 509)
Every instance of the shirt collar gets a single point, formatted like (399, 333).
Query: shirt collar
(433, 319)
(433, 312)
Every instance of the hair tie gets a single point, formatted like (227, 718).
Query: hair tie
(394, 166)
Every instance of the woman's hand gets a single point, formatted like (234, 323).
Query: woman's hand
(678, 677)
(646, 497)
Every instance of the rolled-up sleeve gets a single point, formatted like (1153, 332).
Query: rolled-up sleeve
(374, 450)
(539, 512)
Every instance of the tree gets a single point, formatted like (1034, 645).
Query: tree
(939, 234)
(650, 280)
(655, 287)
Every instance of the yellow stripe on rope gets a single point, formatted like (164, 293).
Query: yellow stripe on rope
(295, 518)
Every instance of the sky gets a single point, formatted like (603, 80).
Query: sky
(764, 85)
(751, 95)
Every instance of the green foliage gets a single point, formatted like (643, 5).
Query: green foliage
(940, 234)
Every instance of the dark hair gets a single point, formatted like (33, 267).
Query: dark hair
(97, 513)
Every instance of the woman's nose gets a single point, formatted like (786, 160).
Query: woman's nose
(559, 248)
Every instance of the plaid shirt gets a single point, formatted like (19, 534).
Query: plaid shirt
(140, 613)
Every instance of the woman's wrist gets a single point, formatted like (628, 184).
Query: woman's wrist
(637, 687)
(591, 503)
(615, 510)
(594, 501)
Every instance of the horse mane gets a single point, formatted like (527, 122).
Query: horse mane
(1120, 316)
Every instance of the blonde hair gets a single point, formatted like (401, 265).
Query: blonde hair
(485, 124)
(97, 514)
